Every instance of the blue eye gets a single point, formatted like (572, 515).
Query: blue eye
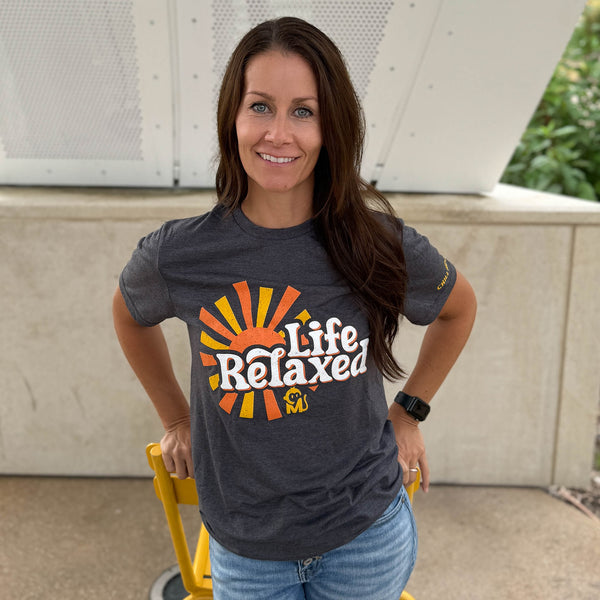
(259, 107)
(303, 112)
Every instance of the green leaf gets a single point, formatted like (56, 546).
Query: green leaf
(586, 191)
(566, 130)
(543, 162)
(559, 151)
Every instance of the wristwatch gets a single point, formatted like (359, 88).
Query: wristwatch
(415, 407)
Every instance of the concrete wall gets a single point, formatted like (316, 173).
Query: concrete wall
(518, 409)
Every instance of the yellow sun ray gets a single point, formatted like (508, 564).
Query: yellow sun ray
(303, 316)
(211, 343)
(263, 305)
(252, 333)
(225, 308)
(247, 410)
(214, 381)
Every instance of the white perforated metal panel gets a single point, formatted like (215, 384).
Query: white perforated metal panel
(357, 27)
(448, 86)
(76, 100)
(196, 136)
(481, 72)
(123, 92)
(84, 103)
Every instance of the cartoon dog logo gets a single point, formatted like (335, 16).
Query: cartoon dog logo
(295, 402)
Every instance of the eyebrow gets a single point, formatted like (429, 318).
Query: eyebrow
(269, 97)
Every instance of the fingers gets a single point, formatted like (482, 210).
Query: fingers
(411, 449)
(424, 473)
(405, 472)
(182, 465)
(179, 463)
(169, 462)
(409, 473)
(177, 455)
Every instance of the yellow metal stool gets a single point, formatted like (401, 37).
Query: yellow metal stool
(172, 491)
(410, 490)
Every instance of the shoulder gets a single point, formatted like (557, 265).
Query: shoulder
(179, 230)
(191, 224)
(413, 243)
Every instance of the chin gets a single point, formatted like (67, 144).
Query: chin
(275, 186)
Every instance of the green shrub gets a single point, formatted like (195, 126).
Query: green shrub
(560, 149)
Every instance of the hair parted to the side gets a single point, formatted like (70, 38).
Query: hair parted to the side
(364, 244)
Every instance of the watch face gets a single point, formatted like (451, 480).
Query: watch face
(414, 406)
(420, 410)
(417, 408)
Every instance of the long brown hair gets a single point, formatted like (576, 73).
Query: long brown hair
(363, 244)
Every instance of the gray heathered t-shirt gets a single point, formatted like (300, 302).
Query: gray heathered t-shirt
(293, 453)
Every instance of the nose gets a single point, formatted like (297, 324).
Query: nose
(279, 130)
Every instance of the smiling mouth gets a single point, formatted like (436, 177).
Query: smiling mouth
(276, 160)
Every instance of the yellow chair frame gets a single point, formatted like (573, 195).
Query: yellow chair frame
(172, 491)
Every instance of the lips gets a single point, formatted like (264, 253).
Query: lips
(280, 160)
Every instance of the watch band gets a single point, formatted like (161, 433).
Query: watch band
(414, 406)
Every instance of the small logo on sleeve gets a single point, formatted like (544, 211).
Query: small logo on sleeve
(446, 275)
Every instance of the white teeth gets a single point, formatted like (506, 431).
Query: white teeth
(275, 159)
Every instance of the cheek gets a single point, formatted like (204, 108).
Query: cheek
(243, 131)
(317, 141)
(316, 152)
(239, 132)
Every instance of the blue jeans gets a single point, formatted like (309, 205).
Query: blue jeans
(375, 565)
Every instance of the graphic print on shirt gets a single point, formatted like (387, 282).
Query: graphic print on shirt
(294, 401)
(279, 360)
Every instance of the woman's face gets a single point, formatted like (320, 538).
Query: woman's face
(278, 125)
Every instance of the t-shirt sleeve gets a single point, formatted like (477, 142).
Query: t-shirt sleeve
(431, 278)
(144, 290)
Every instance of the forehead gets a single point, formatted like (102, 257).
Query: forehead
(286, 73)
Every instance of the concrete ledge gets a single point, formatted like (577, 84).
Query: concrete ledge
(102, 204)
(506, 204)
(518, 409)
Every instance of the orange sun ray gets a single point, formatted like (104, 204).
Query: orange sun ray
(207, 360)
(289, 297)
(271, 405)
(227, 401)
(241, 338)
(215, 324)
(211, 343)
(243, 292)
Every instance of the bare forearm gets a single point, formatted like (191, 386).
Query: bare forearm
(443, 342)
(146, 350)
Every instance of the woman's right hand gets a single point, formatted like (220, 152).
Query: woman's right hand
(148, 354)
(176, 448)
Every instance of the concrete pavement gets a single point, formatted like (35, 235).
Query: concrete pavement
(104, 539)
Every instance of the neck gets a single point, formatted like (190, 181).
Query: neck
(277, 210)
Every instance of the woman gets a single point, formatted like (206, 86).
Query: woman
(292, 287)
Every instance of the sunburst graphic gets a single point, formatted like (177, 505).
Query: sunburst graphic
(238, 338)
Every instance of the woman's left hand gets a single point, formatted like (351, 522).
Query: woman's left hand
(411, 447)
